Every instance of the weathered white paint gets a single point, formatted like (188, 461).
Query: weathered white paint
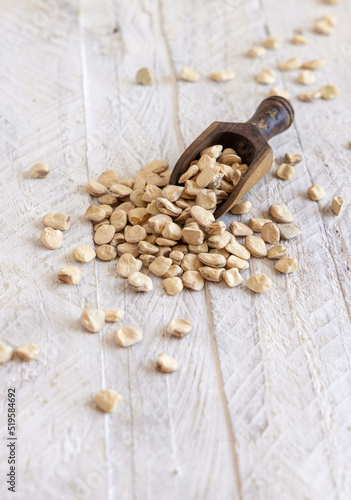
(260, 408)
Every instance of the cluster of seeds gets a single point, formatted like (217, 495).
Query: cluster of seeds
(25, 352)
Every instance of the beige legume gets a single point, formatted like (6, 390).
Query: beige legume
(239, 229)
(286, 265)
(160, 265)
(188, 74)
(288, 231)
(337, 203)
(236, 262)
(70, 275)
(270, 233)
(259, 283)
(128, 335)
(232, 277)
(173, 272)
(57, 221)
(310, 96)
(211, 274)
(95, 188)
(104, 234)
(266, 76)
(257, 223)
(238, 250)
(140, 282)
(106, 252)
(51, 238)
(299, 39)
(166, 364)
(222, 75)
(241, 208)
(316, 192)
(145, 76)
(290, 64)
(277, 252)
(212, 259)
(108, 178)
(95, 214)
(84, 253)
(6, 353)
(306, 77)
(314, 64)
(279, 92)
(281, 213)
(193, 280)
(292, 159)
(273, 43)
(127, 264)
(329, 92)
(179, 327)
(108, 400)
(27, 352)
(256, 246)
(285, 171)
(92, 319)
(113, 315)
(39, 170)
(201, 216)
(255, 52)
(173, 285)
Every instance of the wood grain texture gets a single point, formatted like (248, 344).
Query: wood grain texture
(260, 408)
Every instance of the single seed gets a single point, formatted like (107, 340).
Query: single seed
(174, 271)
(121, 190)
(27, 352)
(212, 259)
(211, 274)
(127, 264)
(232, 277)
(222, 75)
(168, 208)
(57, 221)
(273, 43)
(104, 234)
(70, 275)
(279, 92)
(215, 228)
(140, 282)
(179, 327)
(314, 64)
(108, 178)
(256, 224)
(316, 192)
(238, 250)
(163, 252)
(92, 319)
(299, 39)
(119, 220)
(259, 283)
(160, 265)
(173, 285)
(176, 257)
(270, 233)
(127, 336)
(201, 216)
(172, 231)
(257, 51)
(212, 151)
(205, 161)
(266, 76)
(206, 198)
(286, 265)
(108, 400)
(229, 159)
(147, 247)
(135, 234)
(172, 193)
(39, 170)
(145, 76)
(193, 280)
(290, 64)
(156, 166)
(306, 77)
(323, 27)
(158, 222)
(6, 353)
(277, 252)
(285, 171)
(106, 252)
(146, 259)
(192, 170)
(166, 364)
(190, 262)
(207, 176)
(137, 198)
(108, 210)
(196, 249)
(108, 199)
(337, 203)
(95, 188)
(220, 240)
(281, 213)
(236, 262)
(113, 315)
(84, 253)
(138, 216)
(188, 74)
(288, 231)
(310, 96)
(51, 238)
(292, 159)
(95, 214)
(239, 229)
(241, 208)
(329, 92)
(256, 246)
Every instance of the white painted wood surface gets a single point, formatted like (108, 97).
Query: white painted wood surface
(261, 406)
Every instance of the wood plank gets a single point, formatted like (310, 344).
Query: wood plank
(167, 421)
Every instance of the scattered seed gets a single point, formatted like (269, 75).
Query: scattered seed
(92, 319)
(329, 92)
(127, 336)
(27, 352)
(127, 264)
(306, 77)
(51, 238)
(270, 233)
(241, 208)
(193, 280)
(259, 283)
(95, 214)
(70, 275)
(285, 171)
(299, 39)
(238, 250)
(179, 327)
(201, 216)
(145, 76)
(39, 170)
(290, 64)
(236, 262)
(310, 96)
(292, 159)
(108, 400)
(255, 52)
(160, 265)
(106, 252)
(266, 76)
(273, 43)
(166, 364)
(256, 246)
(337, 203)
(113, 315)
(288, 231)
(286, 265)
(316, 192)
(222, 75)
(277, 252)
(323, 27)
(281, 213)
(84, 253)
(212, 259)
(314, 64)
(279, 92)
(95, 188)
(108, 178)
(140, 282)
(239, 229)
(104, 234)
(57, 221)
(188, 74)
(6, 353)
(257, 223)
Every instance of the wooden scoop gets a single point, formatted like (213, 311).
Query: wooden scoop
(273, 116)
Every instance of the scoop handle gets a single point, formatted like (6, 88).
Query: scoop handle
(273, 116)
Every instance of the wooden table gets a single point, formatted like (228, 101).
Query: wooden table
(260, 408)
